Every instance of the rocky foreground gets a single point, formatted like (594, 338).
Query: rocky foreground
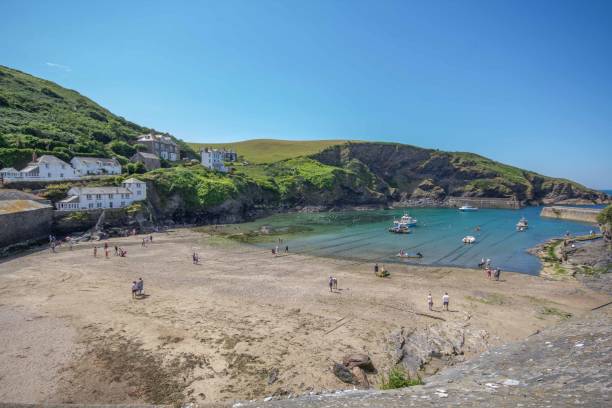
(567, 365)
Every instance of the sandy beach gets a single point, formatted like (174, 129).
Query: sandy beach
(242, 324)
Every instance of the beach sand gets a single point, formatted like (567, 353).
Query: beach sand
(241, 325)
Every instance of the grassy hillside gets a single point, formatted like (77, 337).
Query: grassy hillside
(260, 151)
(39, 115)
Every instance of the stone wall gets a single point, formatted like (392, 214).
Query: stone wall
(29, 225)
(66, 222)
(571, 213)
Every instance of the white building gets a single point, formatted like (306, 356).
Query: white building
(91, 198)
(45, 168)
(85, 166)
(9, 173)
(213, 159)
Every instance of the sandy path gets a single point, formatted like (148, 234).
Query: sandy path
(216, 331)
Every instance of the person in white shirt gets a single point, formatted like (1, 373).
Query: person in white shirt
(445, 300)
(430, 301)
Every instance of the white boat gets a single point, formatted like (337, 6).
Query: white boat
(405, 221)
(468, 208)
(522, 225)
(469, 239)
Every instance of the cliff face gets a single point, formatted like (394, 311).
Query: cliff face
(406, 172)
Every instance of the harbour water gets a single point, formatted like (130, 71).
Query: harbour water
(362, 236)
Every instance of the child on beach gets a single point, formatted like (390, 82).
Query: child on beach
(445, 301)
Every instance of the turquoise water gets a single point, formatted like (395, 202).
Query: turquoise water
(362, 236)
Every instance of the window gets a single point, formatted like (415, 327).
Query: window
(139, 192)
(110, 204)
(99, 205)
(61, 174)
(90, 205)
(98, 196)
(46, 165)
(123, 203)
(63, 166)
(49, 175)
(110, 196)
(89, 197)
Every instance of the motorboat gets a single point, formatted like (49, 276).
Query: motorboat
(406, 220)
(400, 229)
(468, 208)
(522, 225)
(469, 239)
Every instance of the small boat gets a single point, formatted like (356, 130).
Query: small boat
(406, 220)
(403, 229)
(468, 208)
(522, 225)
(469, 239)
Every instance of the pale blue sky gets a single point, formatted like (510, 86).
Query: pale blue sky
(527, 83)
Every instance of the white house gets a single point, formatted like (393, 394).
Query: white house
(9, 173)
(213, 159)
(85, 166)
(45, 168)
(91, 198)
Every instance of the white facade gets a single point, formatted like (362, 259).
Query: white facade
(214, 159)
(92, 198)
(85, 166)
(45, 168)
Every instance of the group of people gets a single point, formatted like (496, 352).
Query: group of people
(276, 250)
(333, 284)
(445, 301)
(489, 270)
(137, 288)
(118, 251)
(380, 271)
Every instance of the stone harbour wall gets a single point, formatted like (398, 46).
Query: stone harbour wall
(571, 213)
(27, 225)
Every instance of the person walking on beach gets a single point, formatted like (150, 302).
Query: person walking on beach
(331, 284)
(488, 271)
(430, 301)
(95, 251)
(140, 284)
(335, 283)
(151, 238)
(106, 251)
(445, 301)
(134, 289)
(276, 250)
(375, 268)
(286, 249)
(497, 274)
(144, 243)
(116, 250)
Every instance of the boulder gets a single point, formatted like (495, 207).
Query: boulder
(344, 374)
(362, 361)
(360, 377)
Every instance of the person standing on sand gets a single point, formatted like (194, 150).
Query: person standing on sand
(116, 250)
(151, 238)
(106, 251)
(140, 286)
(134, 289)
(375, 268)
(430, 301)
(331, 284)
(286, 249)
(488, 270)
(276, 250)
(445, 301)
(144, 243)
(95, 251)
(335, 283)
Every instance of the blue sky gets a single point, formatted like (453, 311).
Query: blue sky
(527, 83)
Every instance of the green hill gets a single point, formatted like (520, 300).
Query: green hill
(39, 115)
(260, 151)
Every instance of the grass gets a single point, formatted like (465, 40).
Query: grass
(398, 378)
(553, 311)
(261, 151)
(489, 299)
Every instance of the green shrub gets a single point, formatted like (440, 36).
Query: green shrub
(56, 192)
(122, 148)
(398, 378)
(605, 216)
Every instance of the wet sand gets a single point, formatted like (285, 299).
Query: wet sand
(219, 331)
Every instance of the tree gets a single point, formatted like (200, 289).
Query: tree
(122, 148)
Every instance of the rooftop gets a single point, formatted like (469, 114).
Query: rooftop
(97, 159)
(99, 190)
(15, 206)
